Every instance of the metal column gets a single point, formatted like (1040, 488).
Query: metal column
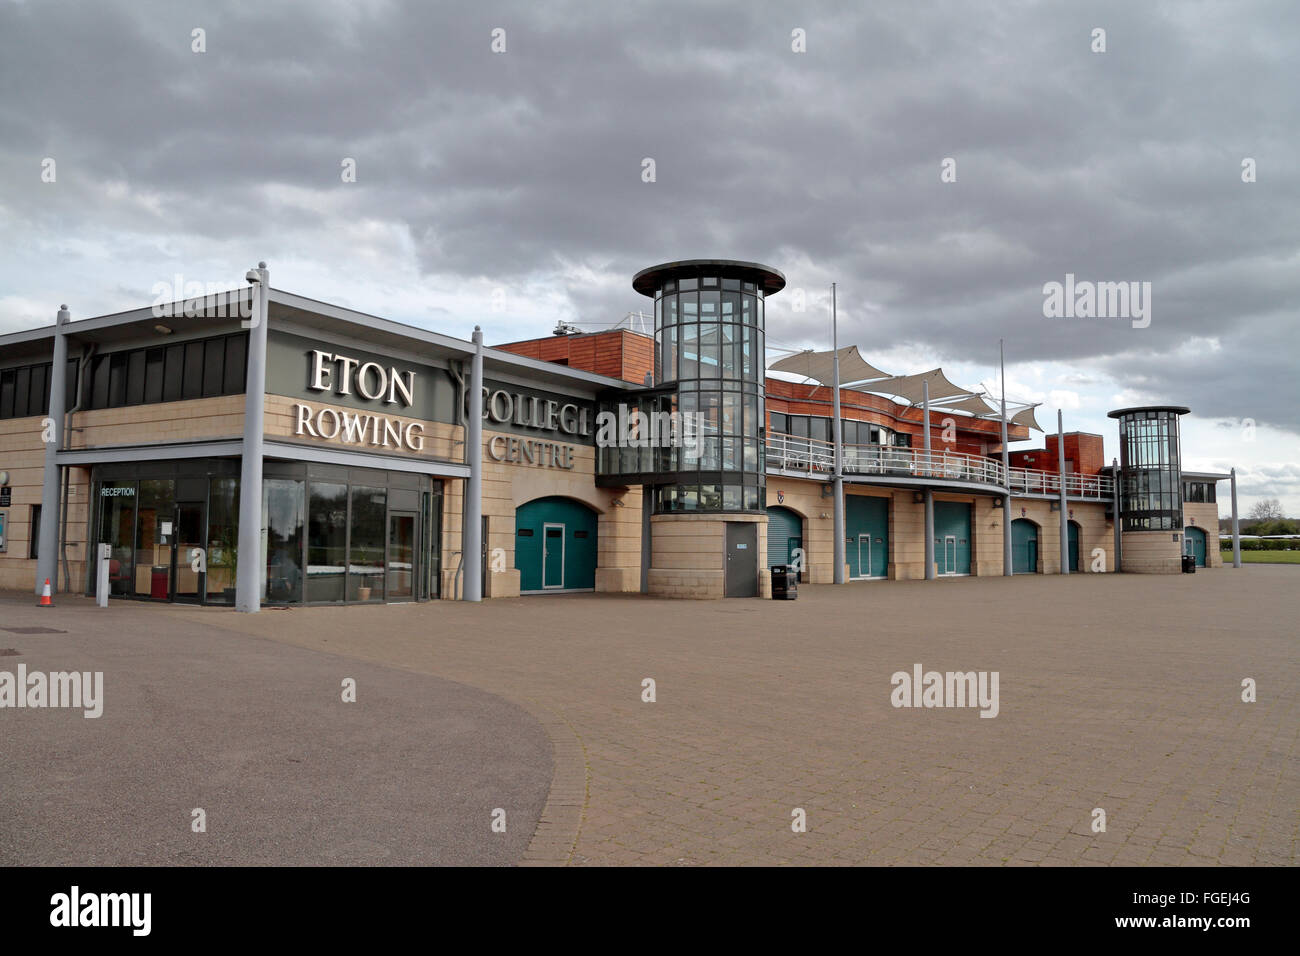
(47, 554)
(250, 570)
(1236, 531)
(929, 495)
(1115, 509)
(837, 434)
(1065, 511)
(471, 532)
(1007, 563)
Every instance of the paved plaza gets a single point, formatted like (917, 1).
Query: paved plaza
(1116, 692)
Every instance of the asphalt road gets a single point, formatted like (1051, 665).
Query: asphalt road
(256, 734)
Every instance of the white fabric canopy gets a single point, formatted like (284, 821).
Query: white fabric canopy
(973, 404)
(911, 388)
(820, 366)
(1026, 417)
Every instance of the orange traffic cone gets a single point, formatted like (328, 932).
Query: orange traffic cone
(45, 595)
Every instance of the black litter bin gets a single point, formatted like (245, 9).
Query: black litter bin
(1189, 564)
(785, 583)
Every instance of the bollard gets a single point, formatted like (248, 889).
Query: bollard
(101, 575)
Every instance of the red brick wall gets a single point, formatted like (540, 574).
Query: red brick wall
(617, 353)
(1084, 455)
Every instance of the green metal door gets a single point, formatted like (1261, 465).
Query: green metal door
(784, 535)
(1074, 547)
(555, 546)
(866, 532)
(1024, 546)
(1194, 544)
(952, 537)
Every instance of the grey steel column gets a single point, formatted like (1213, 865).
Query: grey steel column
(837, 434)
(1065, 513)
(647, 542)
(1236, 531)
(1007, 563)
(47, 560)
(250, 571)
(471, 532)
(1115, 508)
(929, 495)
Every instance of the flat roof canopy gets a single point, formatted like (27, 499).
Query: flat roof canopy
(647, 280)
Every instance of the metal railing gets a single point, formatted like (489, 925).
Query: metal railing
(786, 453)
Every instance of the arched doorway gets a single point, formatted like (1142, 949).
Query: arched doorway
(1024, 546)
(555, 546)
(785, 538)
(1194, 544)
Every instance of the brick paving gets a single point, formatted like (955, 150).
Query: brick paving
(1119, 692)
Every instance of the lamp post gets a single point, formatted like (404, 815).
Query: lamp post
(1060, 472)
(250, 572)
(929, 494)
(1236, 531)
(1007, 568)
(837, 435)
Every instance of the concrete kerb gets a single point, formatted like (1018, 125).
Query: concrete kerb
(560, 825)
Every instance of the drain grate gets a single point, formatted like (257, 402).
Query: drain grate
(9, 652)
(33, 630)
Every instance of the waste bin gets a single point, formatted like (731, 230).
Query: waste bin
(158, 581)
(785, 583)
(1189, 564)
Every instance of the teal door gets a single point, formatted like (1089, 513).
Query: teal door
(555, 546)
(952, 539)
(866, 533)
(1194, 544)
(784, 535)
(1074, 547)
(552, 555)
(1024, 546)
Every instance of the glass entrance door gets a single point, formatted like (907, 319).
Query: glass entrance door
(402, 550)
(187, 583)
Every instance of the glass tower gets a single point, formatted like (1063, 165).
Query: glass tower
(1150, 474)
(708, 380)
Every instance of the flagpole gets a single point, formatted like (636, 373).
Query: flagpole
(1007, 565)
(837, 435)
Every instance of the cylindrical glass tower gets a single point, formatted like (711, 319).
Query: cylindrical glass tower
(709, 368)
(1150, 473)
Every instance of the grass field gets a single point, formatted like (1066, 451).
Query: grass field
(1264, 557)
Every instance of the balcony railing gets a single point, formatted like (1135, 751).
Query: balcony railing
(786, 453)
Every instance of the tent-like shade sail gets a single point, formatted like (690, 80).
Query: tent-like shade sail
(1026, 417)
(911, 388)
(972, 404)
(820, 366)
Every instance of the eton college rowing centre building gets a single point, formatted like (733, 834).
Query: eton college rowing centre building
(259, 448)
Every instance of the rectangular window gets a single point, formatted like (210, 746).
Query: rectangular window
(153, 375)
(780, 423)
(282, 516)
(117, 380)
(34, 541)
(39, 401)
(135, 366)
(327, 530)
(214, 361)
(173, 373)
(7, 393)
(192, 383)
(236, 357)
(22, 392)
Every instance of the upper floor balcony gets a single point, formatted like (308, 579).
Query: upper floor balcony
(810, 457)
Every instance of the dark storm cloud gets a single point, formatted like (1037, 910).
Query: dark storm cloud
(525, 167)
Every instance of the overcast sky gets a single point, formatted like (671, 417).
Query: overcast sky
(506, 189)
